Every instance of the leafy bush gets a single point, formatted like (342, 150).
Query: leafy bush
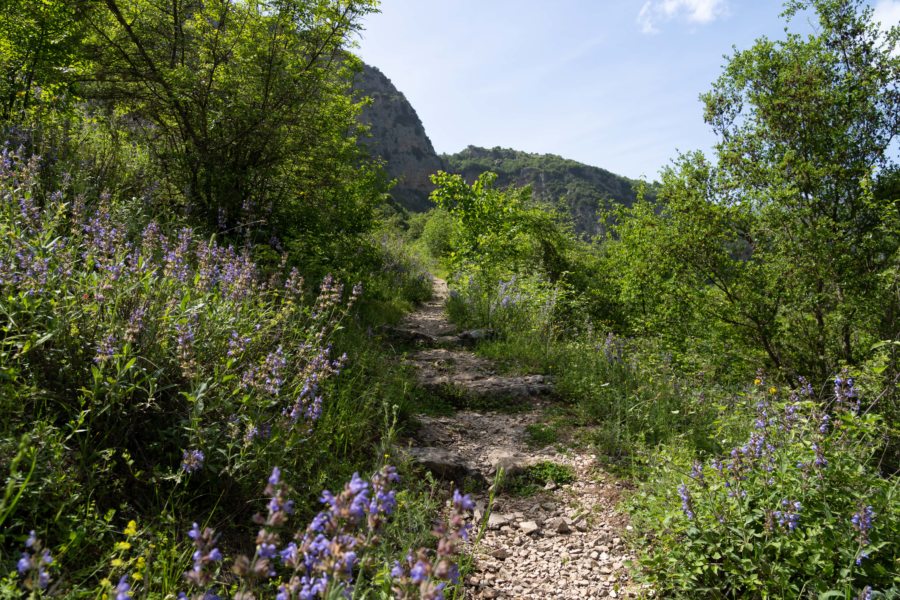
(799, 510)
(436, 233)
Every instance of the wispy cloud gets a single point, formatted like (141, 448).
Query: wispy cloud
(654, 12)
(887, 12)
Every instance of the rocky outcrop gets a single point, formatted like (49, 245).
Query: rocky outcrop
(580, 191)
(398, 138)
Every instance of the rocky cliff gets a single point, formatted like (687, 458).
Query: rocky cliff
(399, 138)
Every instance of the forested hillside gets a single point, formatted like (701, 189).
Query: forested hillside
(581, 192)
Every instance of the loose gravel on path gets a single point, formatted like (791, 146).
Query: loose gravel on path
(564, 541)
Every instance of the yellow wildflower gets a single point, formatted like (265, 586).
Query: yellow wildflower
(116, 562)
(136, 576)
(123, 546)
(757, 381)
(141, 563)
(131, 529)
(773, 390)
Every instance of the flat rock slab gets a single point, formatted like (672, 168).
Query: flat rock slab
(445, 370)
(444, 464)
(402, 335)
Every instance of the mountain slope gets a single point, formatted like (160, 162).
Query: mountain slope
(399, 138)
(576, 189)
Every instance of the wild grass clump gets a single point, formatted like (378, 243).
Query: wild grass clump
(632, 396)
(539, 435)
(798, 510)
(509, 306)
(534, 477)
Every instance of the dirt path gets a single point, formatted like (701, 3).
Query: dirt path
(555, 541)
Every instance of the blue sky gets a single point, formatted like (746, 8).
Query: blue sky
(609, 83)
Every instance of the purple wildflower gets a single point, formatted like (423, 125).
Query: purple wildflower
(106, 349)
(192, 460)
(123, 589)
(862, 523)
(789, 518)
(686, 504)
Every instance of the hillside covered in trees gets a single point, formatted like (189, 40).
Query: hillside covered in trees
(581, 192)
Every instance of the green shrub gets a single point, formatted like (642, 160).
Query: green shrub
(799, 510)
(536, 476)
(437, 232)
(541, 435)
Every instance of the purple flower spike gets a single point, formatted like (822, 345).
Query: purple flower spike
(123, 589)
(275, 477)
(192, 460)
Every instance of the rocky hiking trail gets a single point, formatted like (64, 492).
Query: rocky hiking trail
(559, 541)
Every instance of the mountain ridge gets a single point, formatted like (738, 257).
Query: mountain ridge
(582, 191)
(399, 138)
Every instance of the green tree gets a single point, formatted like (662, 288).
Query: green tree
(39, 39)
(246, 104)
(781, 240)
(499, 230)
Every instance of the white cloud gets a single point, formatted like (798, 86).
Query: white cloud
(887, 12)
(654, 12)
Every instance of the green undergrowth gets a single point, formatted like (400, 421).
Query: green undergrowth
(154, 374)
(535, 477)
(540, 435)
(623, 406)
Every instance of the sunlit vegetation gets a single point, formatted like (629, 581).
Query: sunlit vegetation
(197, 257)
(730, 342)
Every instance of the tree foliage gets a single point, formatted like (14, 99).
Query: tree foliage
(782, 241)
(498, 229)
(38, 44)
(244, 106)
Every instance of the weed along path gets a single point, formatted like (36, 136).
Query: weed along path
(553, 531)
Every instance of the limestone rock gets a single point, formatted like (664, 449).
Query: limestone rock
(443, 463)
(529, 527)
(399, 138)
(558, 524)
(496, 521)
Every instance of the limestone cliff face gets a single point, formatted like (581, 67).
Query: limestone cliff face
(399, 138)
(580, 191)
